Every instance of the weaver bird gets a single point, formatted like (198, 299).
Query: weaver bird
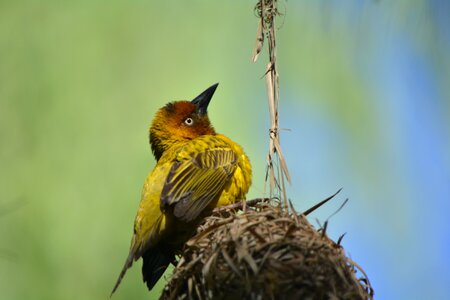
(197, 170)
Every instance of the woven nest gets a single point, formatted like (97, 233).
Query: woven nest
(264, 253)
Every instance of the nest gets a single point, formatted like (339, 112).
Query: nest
(264, 253)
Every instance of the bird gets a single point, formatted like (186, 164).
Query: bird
(196, 171)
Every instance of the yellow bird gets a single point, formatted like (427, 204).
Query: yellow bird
(197, 170)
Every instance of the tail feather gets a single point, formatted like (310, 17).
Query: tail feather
(155, 263)
(126, 266)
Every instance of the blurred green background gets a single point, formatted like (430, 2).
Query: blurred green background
(364, 89)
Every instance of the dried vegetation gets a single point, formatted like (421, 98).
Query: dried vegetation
(264, 253)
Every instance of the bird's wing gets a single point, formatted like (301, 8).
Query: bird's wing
(197, 179)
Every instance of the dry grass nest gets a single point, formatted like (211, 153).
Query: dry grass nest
(264, 253)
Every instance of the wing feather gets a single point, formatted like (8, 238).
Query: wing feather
(194, 181)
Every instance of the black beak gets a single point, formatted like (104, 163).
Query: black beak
(203, 99)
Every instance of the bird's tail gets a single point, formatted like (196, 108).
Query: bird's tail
(155, 263)
(126, 266)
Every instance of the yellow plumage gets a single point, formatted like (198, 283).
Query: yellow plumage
(196, 171)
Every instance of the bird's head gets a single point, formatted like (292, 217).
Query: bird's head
(181, 121)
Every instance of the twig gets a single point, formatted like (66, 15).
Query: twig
(241, 204)
(310, 210)
(338, 210)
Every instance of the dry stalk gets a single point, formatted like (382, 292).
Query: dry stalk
(277, 171)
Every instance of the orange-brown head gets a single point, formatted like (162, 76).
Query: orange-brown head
(181, 121)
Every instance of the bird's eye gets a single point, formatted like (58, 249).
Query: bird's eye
(189, 121)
